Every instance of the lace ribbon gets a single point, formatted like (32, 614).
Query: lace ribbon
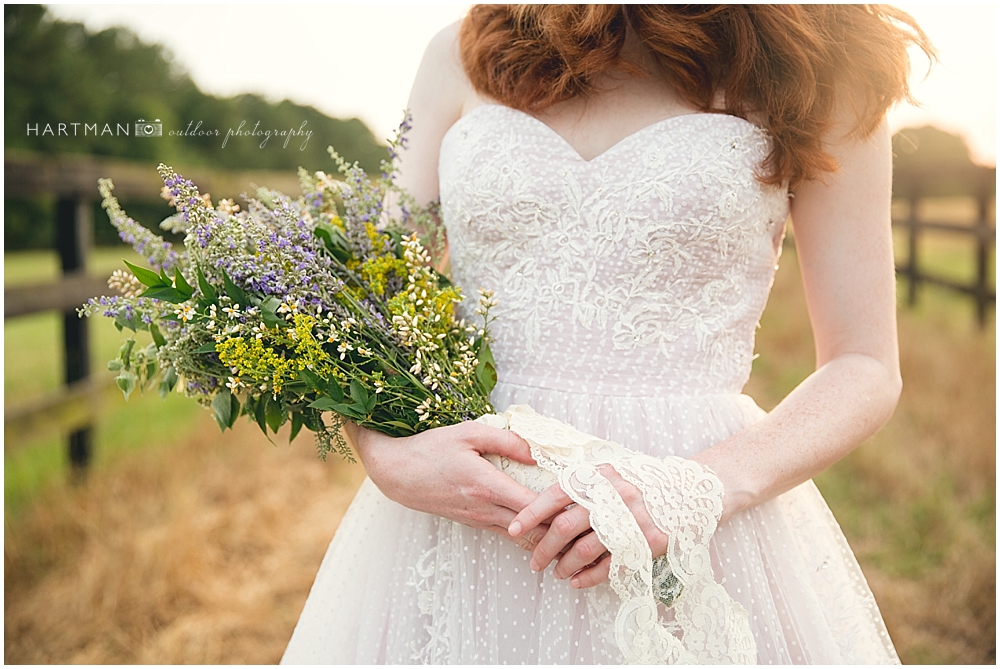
(684, 500)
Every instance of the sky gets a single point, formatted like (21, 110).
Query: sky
(359, 60)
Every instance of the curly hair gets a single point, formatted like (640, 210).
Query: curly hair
(784, 64)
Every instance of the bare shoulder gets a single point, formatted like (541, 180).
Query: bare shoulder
(438, 98)
(441, 85)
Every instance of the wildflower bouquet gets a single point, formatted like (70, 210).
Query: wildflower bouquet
(292, 308)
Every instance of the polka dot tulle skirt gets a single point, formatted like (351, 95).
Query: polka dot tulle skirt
(399, 586)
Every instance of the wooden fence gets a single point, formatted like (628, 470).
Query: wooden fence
(914, 186)
(72, 181)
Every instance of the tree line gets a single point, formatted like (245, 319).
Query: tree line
(98, 85)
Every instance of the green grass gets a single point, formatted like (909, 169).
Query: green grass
(144, 422)
(916, 501)
(33, 364)
(25, 267)
(946, 255)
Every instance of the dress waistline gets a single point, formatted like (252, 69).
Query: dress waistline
(637, 390)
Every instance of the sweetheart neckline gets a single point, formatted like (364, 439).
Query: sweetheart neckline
(562, 141)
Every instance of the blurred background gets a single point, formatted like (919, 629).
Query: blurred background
(136, 533)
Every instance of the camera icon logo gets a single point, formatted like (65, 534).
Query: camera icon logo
(148, 129)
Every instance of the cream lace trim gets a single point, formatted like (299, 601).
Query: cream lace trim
(684, 500)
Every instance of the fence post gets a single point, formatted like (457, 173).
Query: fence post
(914, 225)
(986, 181)
(74, 229)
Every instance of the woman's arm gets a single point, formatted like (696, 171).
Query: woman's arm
(843, 238)
(844, 242)
(442, 471)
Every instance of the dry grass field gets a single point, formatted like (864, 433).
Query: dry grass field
(204, 552)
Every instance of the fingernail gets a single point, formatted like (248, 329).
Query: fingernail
(575, 583)
(534, 566)
(514, 529)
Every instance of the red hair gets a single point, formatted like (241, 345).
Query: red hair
(783, 64)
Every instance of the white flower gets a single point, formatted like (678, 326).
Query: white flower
(185, 313)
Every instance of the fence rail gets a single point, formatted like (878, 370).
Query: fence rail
(72, 180)
(916, 185)
(64, 295)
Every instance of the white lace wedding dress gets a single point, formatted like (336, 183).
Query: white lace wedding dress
(629, 289)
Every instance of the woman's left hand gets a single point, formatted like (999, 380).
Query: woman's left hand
(586, 560)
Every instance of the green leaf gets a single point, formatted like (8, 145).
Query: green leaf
(323, 404)
(487, 376)
(403, 427)
(370, 404)
(205, 287)
(234, 292)
(126, 382)
(397, 241)
(168, 383)
(269, 311)
(334, 390)
(157, 335)
(222, 408)
(486, 371)
(146, 277)
(206, 348)
(259, 415)
(165, 293)
(125, 353)
(351, 411)
(297, 423)
(358, 393)
(234, 410)
(311, 380)
(334, 240)
(348, 410)
(313, 420)
(273, 414)
(114, 365)
(182, 285)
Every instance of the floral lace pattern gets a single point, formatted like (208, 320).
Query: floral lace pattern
(684, 500)
(665, 267)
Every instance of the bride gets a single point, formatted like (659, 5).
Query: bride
(620, 177)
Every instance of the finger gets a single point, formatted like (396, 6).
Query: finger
(517, 448)
(487, 439)
(585, 551)
(529, 540)
(563, 529)
(551, 501)
(592, 576)
(500, 490)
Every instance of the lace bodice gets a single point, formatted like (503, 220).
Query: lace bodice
(642, 271)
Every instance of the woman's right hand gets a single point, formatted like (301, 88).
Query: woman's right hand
(442, 472)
